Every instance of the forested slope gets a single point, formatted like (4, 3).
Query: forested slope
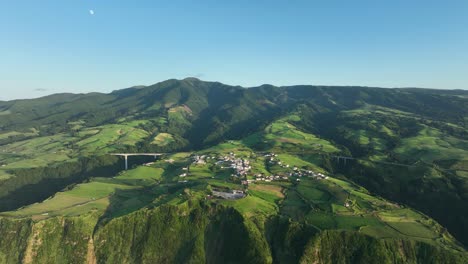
(406, 145)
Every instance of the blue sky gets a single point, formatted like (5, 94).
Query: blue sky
(59, 46)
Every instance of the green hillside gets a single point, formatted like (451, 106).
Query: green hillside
(205, 228)
(281, 174)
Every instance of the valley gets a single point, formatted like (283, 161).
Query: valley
(278, 173)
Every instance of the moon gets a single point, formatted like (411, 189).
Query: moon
(91, 12)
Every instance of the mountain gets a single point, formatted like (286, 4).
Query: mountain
(373, 175)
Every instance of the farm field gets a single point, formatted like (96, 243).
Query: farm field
(324, 203)
(274, 172)
(430, 145)
(46, 150)
(92, 196)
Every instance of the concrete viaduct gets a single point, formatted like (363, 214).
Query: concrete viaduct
(126, 155)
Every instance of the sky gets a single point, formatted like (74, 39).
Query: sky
(98, 46)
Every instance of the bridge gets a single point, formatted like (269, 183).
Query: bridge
(126, 155)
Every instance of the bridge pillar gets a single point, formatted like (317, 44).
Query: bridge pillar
(126, 162)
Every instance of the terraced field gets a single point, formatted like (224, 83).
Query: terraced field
(92, 196)
(40, 151)
(431, 145)
(281, 151)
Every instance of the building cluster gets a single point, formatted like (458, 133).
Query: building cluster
(242, 168)
(200, 159)
(229, 195)
(266, 178)
(272, 159)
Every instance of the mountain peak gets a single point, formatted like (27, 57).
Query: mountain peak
(192, 79)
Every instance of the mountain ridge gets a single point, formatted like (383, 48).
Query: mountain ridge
(137, 87)
(407, 145)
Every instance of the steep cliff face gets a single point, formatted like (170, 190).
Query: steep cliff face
(181, 234)
(196, 232)
(352, 247)
(55, 240)
(15, 236)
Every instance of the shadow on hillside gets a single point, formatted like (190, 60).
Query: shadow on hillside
(173, 170)
(258, 142)
(127, 201)
(52, 180)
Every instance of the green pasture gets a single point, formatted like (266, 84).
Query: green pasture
(111, 137)
(252, 206)
(321, 220)
(356, 222)
(223, 184)
(4, 175)
(413, 229)
(285, 136)
(294, 206)
(314, 195)
(201, 171)
(269, 193)
(145, 173)
(163, 139)
(10, 134)
(431, 145)
(258, 166)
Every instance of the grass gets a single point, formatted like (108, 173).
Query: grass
(81, 209)
(271, 198)
(335, 193)
(229, 146)
(36, 152)
(294, 206)
(79, 200)
(200, 171)
(339, 209)
(111, 137)
(258, 166)
(163, 139)
(59, 202)
(430, 145)
(413, 229)
(374, 109)
(95, 189)
(223, 184)
(320, 203)
(46, 150)
(275, 190)
(16, 133)
(356, 222)
(364, 138)
(282, 135)
(269, 193)
(179, 115)
(252, 205)
(321, 220)
(313, 194)
(385, 130)
(295, 161)
(403, 214)
(4, 175)
(144, 173)
(379, 231)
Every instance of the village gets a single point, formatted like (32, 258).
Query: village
(242, 170)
